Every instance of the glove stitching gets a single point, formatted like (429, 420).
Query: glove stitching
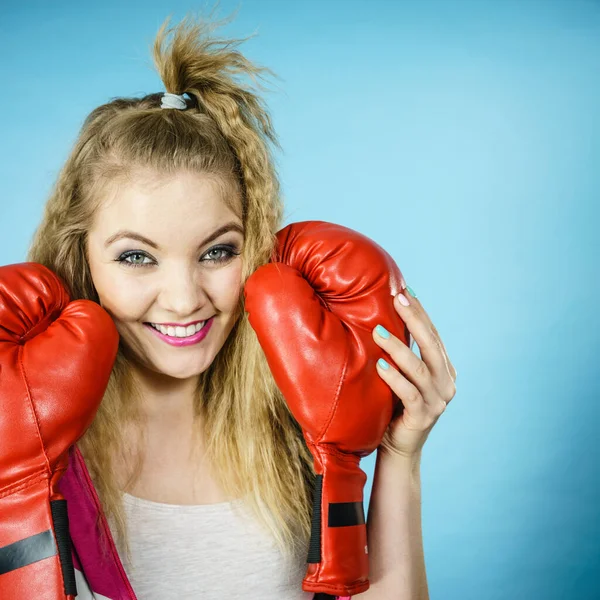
(332, 451)
(28, 482)
(32, 406)
(337, 393)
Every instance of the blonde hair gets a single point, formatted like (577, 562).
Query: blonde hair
(251, 439)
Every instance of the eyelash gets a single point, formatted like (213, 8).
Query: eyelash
(230, 250)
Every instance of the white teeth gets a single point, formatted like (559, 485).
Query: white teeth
(179, 331)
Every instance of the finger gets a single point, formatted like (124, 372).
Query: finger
(411, 397)
(449, 365)
(432, 332)
(411, 366)
(430, 345)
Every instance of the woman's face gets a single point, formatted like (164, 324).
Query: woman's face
(162, 251)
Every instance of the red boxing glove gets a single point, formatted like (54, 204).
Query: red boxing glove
(313, 312)
(55, 360)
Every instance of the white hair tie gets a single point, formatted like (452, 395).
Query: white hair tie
(173, 101)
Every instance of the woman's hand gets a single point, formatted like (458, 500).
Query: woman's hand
(424, 385)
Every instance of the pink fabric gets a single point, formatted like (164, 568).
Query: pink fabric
(104, 572)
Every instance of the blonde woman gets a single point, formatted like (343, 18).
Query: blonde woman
(193, 479)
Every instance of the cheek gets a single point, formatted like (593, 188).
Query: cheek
(228, 286)
(123, 297)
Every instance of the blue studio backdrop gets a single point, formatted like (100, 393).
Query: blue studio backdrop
(464, 137)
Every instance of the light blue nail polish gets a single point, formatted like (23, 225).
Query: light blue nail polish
(411, 291)
(383, 364)
(382, 331)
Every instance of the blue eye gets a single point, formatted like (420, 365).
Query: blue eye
(123, 259)
(226, 253)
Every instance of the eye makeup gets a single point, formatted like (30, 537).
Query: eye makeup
(226, 253)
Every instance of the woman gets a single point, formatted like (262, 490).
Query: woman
(163, 209)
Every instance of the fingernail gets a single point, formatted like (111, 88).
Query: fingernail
(383, 364)
(382, 331)
(411, 291)
(402, 282)
(402, 299)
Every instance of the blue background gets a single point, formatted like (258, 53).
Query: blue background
(463, 136)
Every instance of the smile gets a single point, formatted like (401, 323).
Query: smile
(181, 336)
(180, 332)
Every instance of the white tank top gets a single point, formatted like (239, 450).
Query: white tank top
(205, 552)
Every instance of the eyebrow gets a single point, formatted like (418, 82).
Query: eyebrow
(232, 226)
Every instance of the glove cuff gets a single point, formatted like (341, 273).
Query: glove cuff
(338, 554)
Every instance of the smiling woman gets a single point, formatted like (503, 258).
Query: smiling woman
(163, 209)
(183, 281)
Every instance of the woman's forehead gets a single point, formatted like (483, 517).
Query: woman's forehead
(180, 197)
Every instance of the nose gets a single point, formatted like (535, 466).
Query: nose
(183, 293)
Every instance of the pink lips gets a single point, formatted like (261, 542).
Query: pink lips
(187, 341)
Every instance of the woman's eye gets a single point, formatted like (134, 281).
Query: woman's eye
(133, 263)
(217, 255)
(224, 253)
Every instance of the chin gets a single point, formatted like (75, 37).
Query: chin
(182, 371)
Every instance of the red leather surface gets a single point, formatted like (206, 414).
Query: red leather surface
(55, 359)
(313, 311)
